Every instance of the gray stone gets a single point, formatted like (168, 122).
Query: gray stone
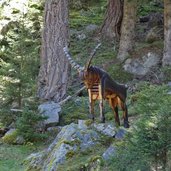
(20, 140)
(106, 129)
(169, 93)
(82, 124)
(70, 139)
(120, 134)
(142, 66)
(10, 132)
(81, 36)
(154, 34)
(169, 83)
(54, 129)
(11, 137)
(91, 28)
(51, 110)
(110, 152)
(35, 161)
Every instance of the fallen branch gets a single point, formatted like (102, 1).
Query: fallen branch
(70, 97)
(16, 110)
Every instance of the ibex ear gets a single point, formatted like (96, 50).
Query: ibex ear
(91, 56)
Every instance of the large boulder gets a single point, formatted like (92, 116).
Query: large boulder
(70, 139)
(12, 137)
(51, 110)
(141, 66)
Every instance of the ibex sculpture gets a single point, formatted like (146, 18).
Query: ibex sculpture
(101, 87)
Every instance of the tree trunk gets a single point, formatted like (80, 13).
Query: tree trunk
(167, 33)
(112, 23)
(127, 29)
(53, 74)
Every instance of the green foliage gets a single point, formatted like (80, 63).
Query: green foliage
(27, 125)
(74, 110)
(146, 7)
(19, 52)
(148, 144)
(89, 14)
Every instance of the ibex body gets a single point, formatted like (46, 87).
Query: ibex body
(102, 87)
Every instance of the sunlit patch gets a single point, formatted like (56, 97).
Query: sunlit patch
(14, 6)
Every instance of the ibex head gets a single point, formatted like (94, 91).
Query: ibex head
(84, 72)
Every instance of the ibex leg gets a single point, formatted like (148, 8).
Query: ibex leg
(102, 118)
(116, 115)
(125, 115)
(91, 109)
(91, 106)
(113, 103)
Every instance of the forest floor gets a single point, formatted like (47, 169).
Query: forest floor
(12, 156)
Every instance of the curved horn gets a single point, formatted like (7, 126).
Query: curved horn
(71, 61)
(92, 55)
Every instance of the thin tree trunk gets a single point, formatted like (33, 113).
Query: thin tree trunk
(127, 29)
(111, 26)
(53, 74)
(167, 33)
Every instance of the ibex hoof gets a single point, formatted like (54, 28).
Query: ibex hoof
(126, 125)
(91, 117)
(102, 120)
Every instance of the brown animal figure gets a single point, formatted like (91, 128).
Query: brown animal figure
(102, 87)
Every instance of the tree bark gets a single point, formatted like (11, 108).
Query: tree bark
(111, 26)
(127, 29)
(167, 33)
(53, 74)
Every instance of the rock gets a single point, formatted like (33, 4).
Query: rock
(155, 19)
(34, 161)
(91, 28)
(120, 134)
(81, 36)
(154, 34)
(82, 124)
(51, 110)
(70, 139)
(169, 83)
(110, 152)
(54, 129)
(12, 137)
(20, 140)
(106, 129)
(142, 66)
(169, 93)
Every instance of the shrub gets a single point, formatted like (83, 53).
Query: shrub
(28, 124)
